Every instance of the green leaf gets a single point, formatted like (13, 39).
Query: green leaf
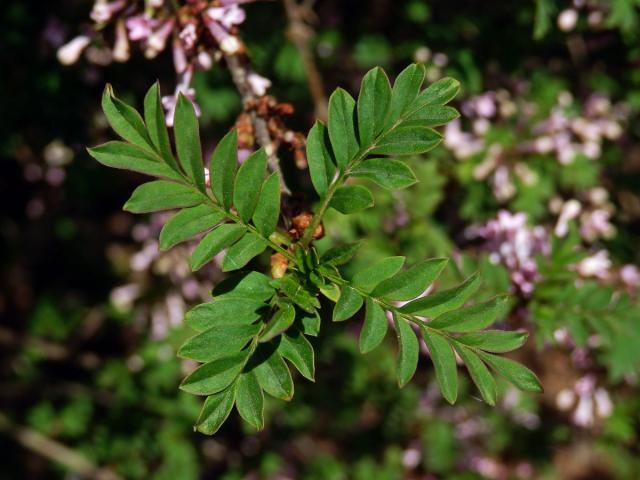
(444, 362)
(479, 374)
(407, 360)
(331, 291)
(224, 312)
(348, 304)
(311, 324)
(218, 341)
(272, 373)
(373, 104)
(410, 283)
(407, 140)
(341, 254)
(223, 168)
(517, 374)
(248, 182)
(267, 211)
(280, 322)
(320, 158)
(214, 242)
(291, 288)
(351, 199)
(187, 223)
(216, 410)
(375, 327)
(162, 195)
(156, 126)
(187, 136)
(297, 349)
(342, 128)
(127, 156)
(496, 341)
(405, 90)
(431, 116)
(475, 317)
(437, 303)
(368, 278)
(124, 120)
(250, 400)
(252, 286)
(213, 377)
(388, 173)
(241, 252)
(439, 93)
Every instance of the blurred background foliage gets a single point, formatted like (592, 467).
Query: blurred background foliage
(92, 313)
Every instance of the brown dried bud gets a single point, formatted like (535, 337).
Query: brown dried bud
(279, 265)
(300, 223)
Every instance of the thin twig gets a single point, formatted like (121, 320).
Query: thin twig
(239, 74)
(300, 34)
(55, 451)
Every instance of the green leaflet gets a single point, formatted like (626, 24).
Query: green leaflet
(251, 286)
(297, 349)
(496, 341)
(351, 199)
(224, 311)
(215, 376)
(215, 411)
(272, 373)
(517, 374)
(320, 159)
(187, 223)
(162, 195)
(407, 140)
(280, 322)
(437, 303)
(156, 126)
(241, 252)
(247, 185)
(129, 157)
(475, 317)
(267, 210)
(342, 128)
(218, 341)
(405, 90)
(444, 362)
(439, 92)
(349, 303)
(368, 278)
(410, 283)
(407, 360)
(341, 254)
(250, 400)
(187, 137)
(375, 327)
(124, 120)
(292, 289)
(223, 168)
(431, 116)
(479, 374)
(373, 104)
(310, 323)
(388, 173)
(214, 242)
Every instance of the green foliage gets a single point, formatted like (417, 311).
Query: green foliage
(254, 327)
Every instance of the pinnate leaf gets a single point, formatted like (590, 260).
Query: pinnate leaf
(241, 252)
(250, 400)
(475, 317)
(223, 168)
(373, 104)
(320, 158)
(444, 362)
(408, 351)
(248, 182)
(348, 304)
(267, 212)
(437, 303)
(215, 376)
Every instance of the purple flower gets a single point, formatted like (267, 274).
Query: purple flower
(183, 87)
(140, 26)
(102, 10)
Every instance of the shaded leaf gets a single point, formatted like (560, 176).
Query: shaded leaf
(214, 242)
(250, 400)
(273, 374)
(341, 254)
(444, 362)
(280, 322)
(223, 168)
(291, 288)
(320, 159)
(162, 195)
(248, 182)
(475, 317)
(213, 377)
(342, 128)
(297, 349)
(187, 223)
(375, 327)
(388, 173)
(348, 304)
(351, 199)
(311, 324)
(241, 252)
(216, 410)
(410, 283)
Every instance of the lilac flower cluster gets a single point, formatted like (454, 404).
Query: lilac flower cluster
(200, 32)
(595, 11)
(512, 243)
